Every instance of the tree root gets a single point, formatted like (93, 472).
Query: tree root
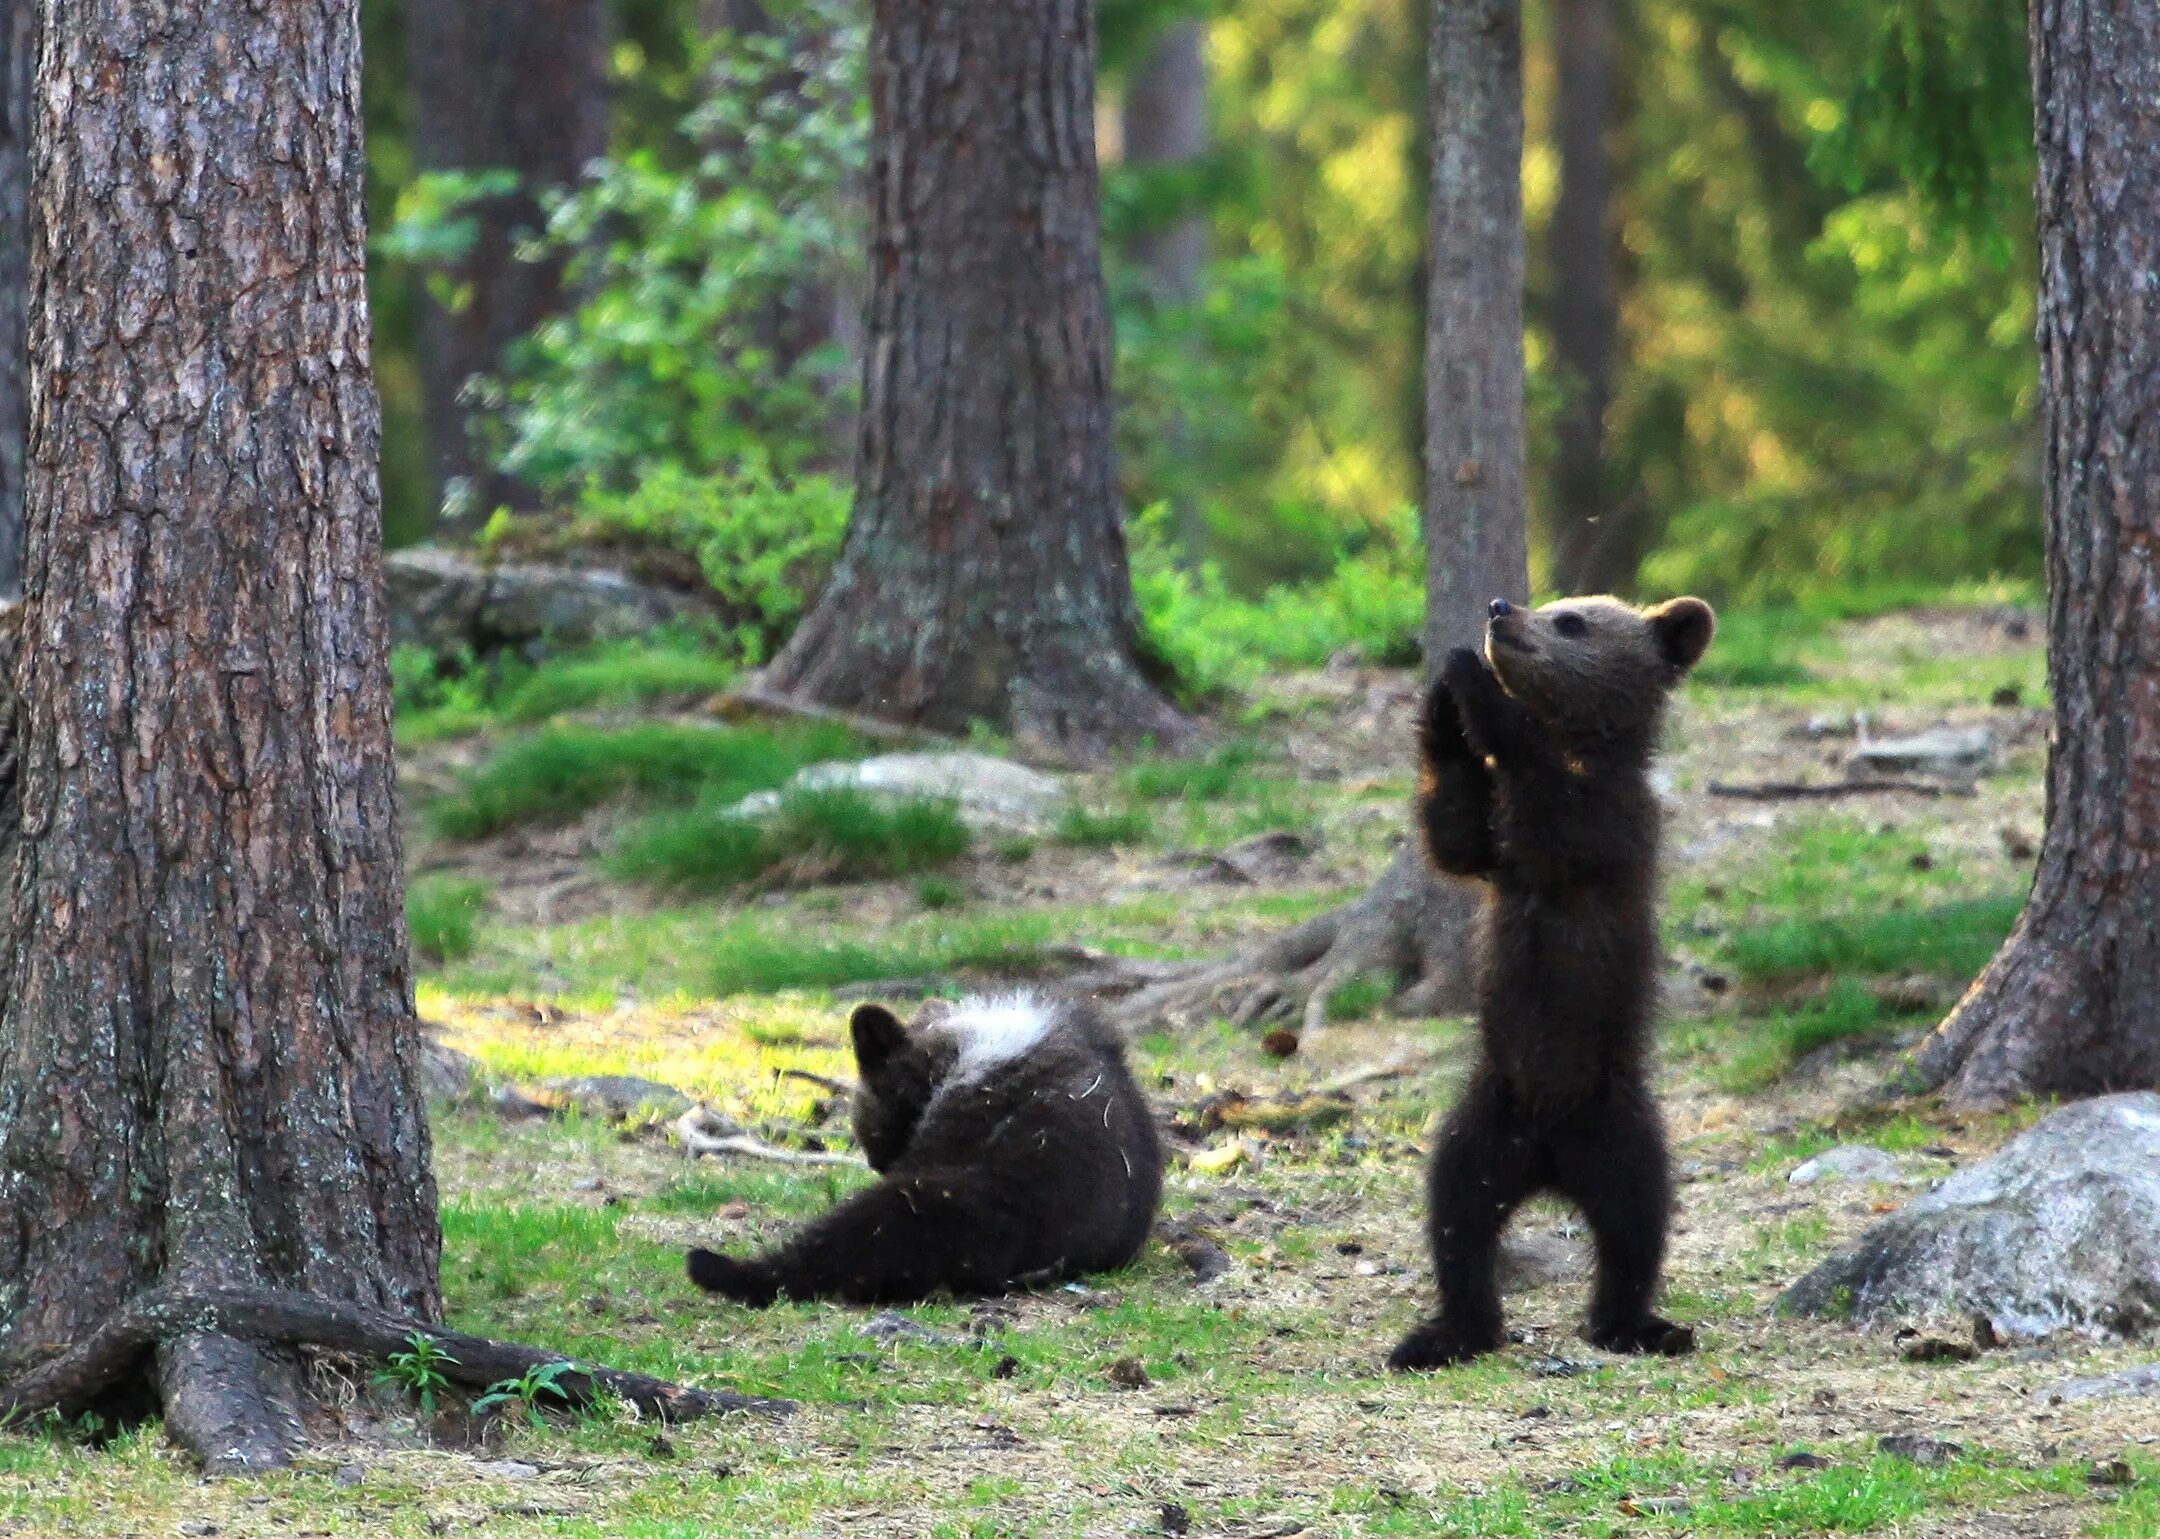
(223, 1369)
(1406, 923)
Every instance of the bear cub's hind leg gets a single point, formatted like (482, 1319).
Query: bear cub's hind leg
(1483, 1168)
(1612, 1164)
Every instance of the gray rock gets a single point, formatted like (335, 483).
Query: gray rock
(1537, 1260)
(894, 1326)
(445, 1073)
(1951, 753)
(443, 600)
(1847, 1162)
(2059, 1230)
(994, 795)
(613, 1098)
(2131, 1382)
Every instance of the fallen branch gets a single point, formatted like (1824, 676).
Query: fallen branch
(834, 1086)
(1371, 1073)
(755, 701)
(691, 1130)
(70, 1383)
(1801, 790)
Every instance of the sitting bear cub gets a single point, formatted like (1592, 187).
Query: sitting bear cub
(1536, 782)
(1014, 1148)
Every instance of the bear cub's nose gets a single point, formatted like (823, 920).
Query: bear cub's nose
(1501, 609)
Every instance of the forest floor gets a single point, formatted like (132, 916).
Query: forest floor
(1818, 938)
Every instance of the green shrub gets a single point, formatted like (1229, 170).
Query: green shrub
(443, 914)
(1372, 605)
(764, 544)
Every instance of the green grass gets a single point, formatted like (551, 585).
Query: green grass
(1212, 777)
(558, 772)
(693, 952)
(1770, 1045)
(1761, 649)
(1361, 996)
(439, 697)
(832, 835)
(1953, 940)
(1088, 829)
(618, 678)
(443, 914)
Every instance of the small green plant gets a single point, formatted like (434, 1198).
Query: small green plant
(529, 1391)
(937, 893)
(418, 1371)
(1084, 828)
(443, 913)
(1360, 996)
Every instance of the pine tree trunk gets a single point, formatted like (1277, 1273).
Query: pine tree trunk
(1409, 922)
(984, 577)
(2068, 1005)
(516, 87)
(208, 1053)
(1476, 494)
(1593, 541)
(18, 72)
(1165, 121)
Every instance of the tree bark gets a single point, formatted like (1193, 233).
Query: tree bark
(1166, 124)
(521, 88)
(18, 78)
(209, 1060)
(984, 577)
(1594, 542)
(1411, 922)
(2067, 1007)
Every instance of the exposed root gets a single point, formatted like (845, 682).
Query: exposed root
(224, 1370)
(1406, 924)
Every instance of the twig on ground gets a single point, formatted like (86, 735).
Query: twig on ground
(1801, 790)
(692, 1130)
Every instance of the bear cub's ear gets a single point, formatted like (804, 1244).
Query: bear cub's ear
(1683, 627)
(879, 1035)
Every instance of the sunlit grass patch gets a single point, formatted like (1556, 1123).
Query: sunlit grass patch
(692, 952)
(559, 772)
(1770, 1045)
(733, 1057)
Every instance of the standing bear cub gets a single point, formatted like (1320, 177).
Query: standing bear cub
(1536, 781)
(1013, 1148)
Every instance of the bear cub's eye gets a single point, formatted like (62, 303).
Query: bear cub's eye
(1570, 624)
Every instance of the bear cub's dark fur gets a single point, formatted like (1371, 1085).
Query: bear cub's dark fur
(1536, 783)
(1014, 1149)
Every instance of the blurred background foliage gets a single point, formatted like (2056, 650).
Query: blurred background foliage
(1825, 376)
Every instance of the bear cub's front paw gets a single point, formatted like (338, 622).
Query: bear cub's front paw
(1441, 1344)
(1464, 671)
(743, 1281)
(1651, 1336)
